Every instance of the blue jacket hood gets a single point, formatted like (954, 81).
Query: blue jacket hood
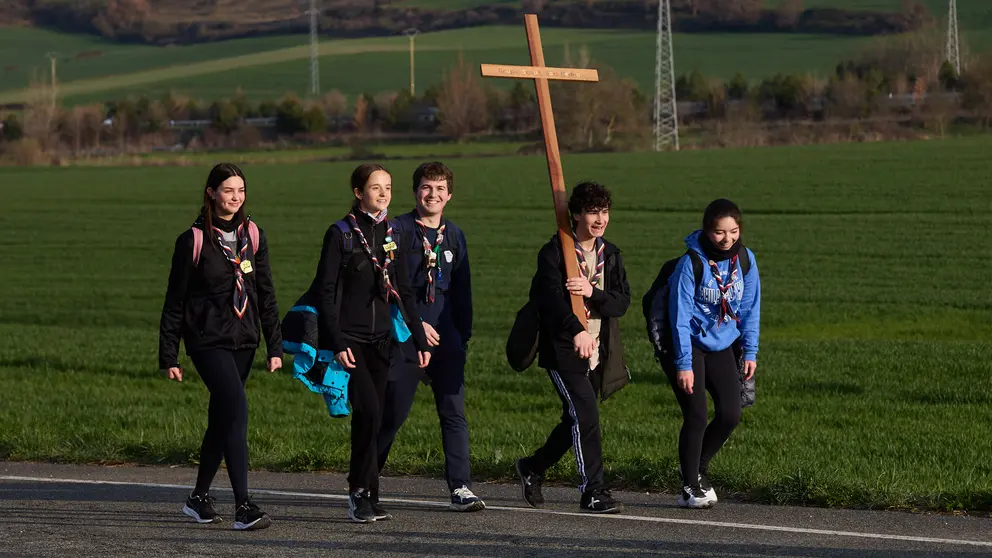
(692, 243)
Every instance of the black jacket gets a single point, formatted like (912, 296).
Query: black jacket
(199, 305)
(351, 306)
(559, 325)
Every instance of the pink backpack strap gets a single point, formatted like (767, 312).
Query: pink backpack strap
(197, 245)
(253, 234)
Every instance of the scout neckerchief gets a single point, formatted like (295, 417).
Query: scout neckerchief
(597, 278)
(241, 264)
(387, 285)
(431, 257)
(726, 312)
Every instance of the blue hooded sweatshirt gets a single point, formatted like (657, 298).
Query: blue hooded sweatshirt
(695, 313)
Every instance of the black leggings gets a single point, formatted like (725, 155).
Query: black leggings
(367, 395)
(225, 372)
(698, 443)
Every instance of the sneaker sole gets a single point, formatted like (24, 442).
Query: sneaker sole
(473, 507)
(616, 509)
(261, 523)
(351, 516)
(700, 506)
(385, 517)
(196, 517)
(523, 487)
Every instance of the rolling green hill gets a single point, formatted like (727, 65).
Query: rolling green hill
(92, 69)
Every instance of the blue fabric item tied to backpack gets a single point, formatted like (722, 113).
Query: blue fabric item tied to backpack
(319, 371)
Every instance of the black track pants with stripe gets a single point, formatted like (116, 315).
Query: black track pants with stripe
(578, 429)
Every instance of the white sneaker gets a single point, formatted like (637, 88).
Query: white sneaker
(704, 483)
(695, 497)
(462, 500)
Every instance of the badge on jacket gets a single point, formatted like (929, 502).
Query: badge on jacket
(389, 247)
(448, 256)
(246, 266)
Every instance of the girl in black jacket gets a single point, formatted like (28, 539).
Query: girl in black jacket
(220, 290)
(361, 274)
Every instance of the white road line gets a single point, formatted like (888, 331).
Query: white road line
(622, 517)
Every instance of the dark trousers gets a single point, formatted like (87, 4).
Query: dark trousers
(446, 373)
(225, 372)
(578, 429)
(366, 393)
(698, 443)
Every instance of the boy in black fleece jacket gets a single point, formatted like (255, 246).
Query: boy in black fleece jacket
(583, 363)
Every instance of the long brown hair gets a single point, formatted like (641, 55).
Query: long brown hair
(217, 176)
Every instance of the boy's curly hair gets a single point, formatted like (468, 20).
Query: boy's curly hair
(589, 196)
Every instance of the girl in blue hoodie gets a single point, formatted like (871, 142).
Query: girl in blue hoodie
(710, 322)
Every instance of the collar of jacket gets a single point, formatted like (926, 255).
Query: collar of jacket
(609, 250)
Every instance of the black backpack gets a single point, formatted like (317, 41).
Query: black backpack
(524, 338)
(655, 301)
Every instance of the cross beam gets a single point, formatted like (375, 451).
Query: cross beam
(541, 74)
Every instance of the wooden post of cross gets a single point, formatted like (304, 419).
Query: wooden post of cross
(538, 72)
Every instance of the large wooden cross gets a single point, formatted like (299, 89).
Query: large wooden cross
(541, 74)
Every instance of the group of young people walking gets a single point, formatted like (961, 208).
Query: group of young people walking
(377, 274)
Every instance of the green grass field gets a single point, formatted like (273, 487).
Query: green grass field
(269, 67)
(875, 371)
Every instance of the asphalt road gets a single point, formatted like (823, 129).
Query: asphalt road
(62, 510)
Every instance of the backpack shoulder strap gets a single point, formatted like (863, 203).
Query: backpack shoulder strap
(347, 237)
(697, 266)
(397, 230)
(253, 234)
(197, 245)
(745, 261)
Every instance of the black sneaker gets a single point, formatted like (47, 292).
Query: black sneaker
(695, 497)
(201, 508)
(599, 501)
(360, 507)
(249, 518)
(380, 512)
(530, 485)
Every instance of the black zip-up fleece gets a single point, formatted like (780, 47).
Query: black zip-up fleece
(348, 294)
(199, 302)
(559, 325)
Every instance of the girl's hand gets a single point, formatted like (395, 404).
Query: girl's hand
(425, 358)
(275, 363)
(174, 373)
(346, 358)
(685, 380)
(749, 367)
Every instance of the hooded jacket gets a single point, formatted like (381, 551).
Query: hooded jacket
(695, 312)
